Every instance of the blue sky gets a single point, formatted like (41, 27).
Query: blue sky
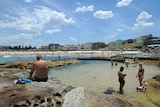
(41, 22)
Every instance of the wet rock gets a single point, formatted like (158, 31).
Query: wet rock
(38, 94)
(28, 65)
(14, 73)
(157, 77)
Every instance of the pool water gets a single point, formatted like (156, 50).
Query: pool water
(101, 75)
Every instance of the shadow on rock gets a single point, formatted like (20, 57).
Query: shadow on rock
(109, 91)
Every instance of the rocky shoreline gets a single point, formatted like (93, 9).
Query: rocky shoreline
(54, 93)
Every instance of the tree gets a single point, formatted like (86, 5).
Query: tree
(19, 47)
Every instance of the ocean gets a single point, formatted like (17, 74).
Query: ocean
(16, 57)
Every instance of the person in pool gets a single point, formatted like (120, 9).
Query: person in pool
(140, 74)
(121, 79)
(40, 67)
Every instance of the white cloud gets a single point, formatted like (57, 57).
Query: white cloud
(85, 9)
(51, 17)
(141, 21)
(143, 16)
(28, 1)
(73, 39)
(52, 31)
(33, 23)
(123, 3)
(103, 14)
(36, 20)
(120, 30)
(141, 25)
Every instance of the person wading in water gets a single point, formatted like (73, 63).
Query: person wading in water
(121, 79)
(140, 74)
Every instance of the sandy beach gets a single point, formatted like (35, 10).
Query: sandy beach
(106, 53)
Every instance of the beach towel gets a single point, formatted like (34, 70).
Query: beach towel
(22, 81)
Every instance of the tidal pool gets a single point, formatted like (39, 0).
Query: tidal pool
(101, 75)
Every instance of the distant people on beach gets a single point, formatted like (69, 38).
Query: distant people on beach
(116, 63)
(127, 62)
(59, 57)
(112, 62)
(121, 80)
(40, 69)
(140, 74)
(111, 59)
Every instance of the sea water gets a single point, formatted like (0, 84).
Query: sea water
(101, 75)
(13, 58)
(16, 57)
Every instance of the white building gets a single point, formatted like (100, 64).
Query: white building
(87, 46)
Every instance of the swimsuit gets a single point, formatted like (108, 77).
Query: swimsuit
(40, 79)
(140, 70)
(140, 73)
(121, 80)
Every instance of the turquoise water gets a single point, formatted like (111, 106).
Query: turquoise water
(14, 58)
(100, 75)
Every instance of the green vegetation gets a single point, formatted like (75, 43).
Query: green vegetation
(129, 45)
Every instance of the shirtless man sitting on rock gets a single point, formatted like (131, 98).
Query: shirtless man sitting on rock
(40, 67)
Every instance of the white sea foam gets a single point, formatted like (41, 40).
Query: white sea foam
(6, 56)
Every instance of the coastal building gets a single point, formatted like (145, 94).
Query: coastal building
(53, 46)
(87, 46)
(118, 42)
(143, 38)
(111, 44)
(44, 47)
(154, 41)
(69, 47)
(157, 54)
(98, 45)
(128, 41)
(154, 47)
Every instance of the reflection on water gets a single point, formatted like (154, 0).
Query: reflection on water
(99, 75)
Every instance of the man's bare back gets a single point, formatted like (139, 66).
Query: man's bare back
(40, 67)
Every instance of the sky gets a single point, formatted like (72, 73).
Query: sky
(66, 22)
